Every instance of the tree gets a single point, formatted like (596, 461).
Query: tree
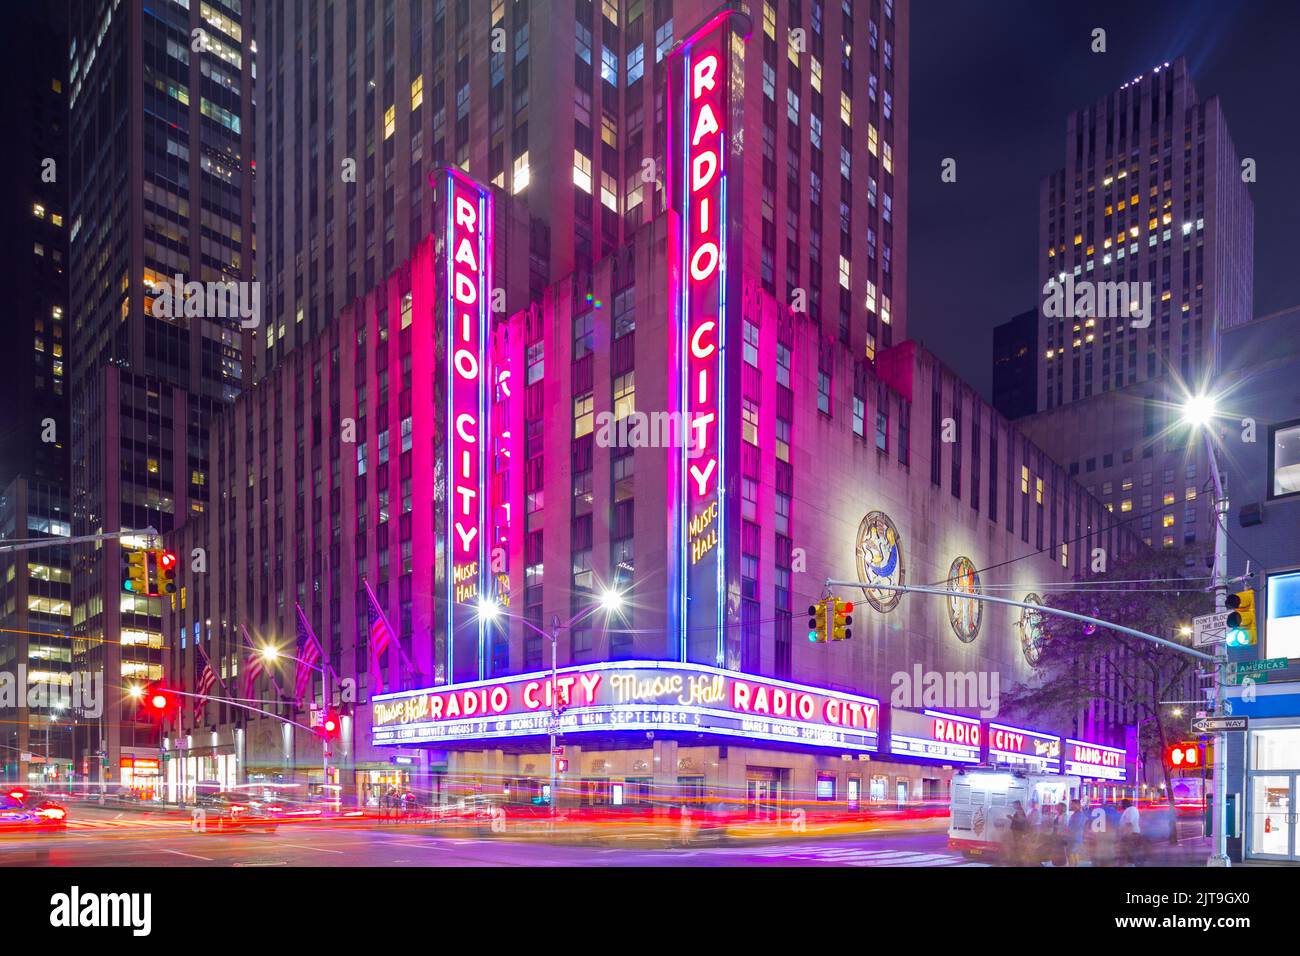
(1082, 663)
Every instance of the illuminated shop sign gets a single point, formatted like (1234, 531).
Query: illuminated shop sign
(632, 696)
(467, 268)
(1018, 747)
(1085, 759)
(935, 735)
(704, 194)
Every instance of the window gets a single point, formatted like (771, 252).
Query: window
(882, 429)
(749, 499)
(1283, 460)
(749, 425)
(581, 171)
(859, 416)
(783, 365)
(582, 415)
(536, 362)
(624, 395)
(782, 439)
(751, 343)
(823, 392)
(1282, 609)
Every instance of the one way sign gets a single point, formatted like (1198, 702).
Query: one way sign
(1214, 725)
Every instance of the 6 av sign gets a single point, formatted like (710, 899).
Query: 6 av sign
(1215, 725)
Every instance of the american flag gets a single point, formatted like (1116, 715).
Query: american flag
(309, 656)
(204, 687)
(253, 668)
(381, 635)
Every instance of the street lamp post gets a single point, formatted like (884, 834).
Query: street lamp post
(555, 702)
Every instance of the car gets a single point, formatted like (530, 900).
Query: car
(22, 810)
(227, 811)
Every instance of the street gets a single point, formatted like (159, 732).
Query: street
(112, 838)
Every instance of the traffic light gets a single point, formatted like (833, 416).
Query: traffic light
(158, 701)
(817, 632)
(1183, 756)
(135, 571)
(840, 626)
(166, 561)
(331, 725)
(1241, 618)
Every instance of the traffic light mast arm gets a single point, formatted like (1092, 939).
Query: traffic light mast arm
(235, 703)
(1038, 608)
(56, 542)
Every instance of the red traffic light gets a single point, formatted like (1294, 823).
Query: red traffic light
(158, 701)
(166, 560)
(330, 725)
(1183, 755)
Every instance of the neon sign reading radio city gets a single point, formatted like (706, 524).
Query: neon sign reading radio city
(468, 279)
(633, 695)
(704, 235)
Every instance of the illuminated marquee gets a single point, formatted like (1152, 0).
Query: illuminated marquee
(1018, 747)
(704, 194)
(1086, 759)
(467, 252)
(630, 696)
(935, 735)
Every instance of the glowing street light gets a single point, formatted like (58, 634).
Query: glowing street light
(270, 653)
(1198, 410)
(488, 610)
(611, 601)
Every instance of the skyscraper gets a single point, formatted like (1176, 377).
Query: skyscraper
(160, 116)
(1146, 254)
(35, 584)
(562, 106)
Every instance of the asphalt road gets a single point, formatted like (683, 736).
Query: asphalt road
(104, 838)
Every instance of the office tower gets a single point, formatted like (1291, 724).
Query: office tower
(561, 104)
(34, 583)
(1145, 257)
(1015, 365)
(160, 173)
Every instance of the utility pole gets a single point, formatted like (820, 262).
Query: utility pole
(1220, 855)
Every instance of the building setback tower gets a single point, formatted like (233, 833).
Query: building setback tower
(1145, 256)
(160, 120)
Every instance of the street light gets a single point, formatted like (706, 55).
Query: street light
(269, 653)
(610, 601)
(1198, 412)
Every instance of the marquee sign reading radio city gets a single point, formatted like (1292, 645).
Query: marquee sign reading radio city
(704, 194)
(630, 696)
(467, 275)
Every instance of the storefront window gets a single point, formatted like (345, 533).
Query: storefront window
(1276, 749)
(826, 786)
(1282, 630)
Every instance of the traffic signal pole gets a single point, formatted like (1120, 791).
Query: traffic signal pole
(1220, 855)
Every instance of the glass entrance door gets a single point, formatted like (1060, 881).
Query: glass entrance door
(1273, 816)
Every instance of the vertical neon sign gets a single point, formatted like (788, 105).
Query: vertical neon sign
(468, 279)
(703, 192)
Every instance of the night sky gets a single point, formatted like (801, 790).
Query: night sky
(992, 82)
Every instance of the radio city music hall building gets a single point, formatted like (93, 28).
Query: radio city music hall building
(529, 458)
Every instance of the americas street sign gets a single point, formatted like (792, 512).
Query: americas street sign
(1246, 668)
(1214, 725)
(1209, 629)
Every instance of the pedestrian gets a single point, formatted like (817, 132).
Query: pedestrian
(1130, 833)
(1075, 826)
(1019, 834)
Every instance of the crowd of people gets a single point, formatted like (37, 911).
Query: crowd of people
(1064, 835)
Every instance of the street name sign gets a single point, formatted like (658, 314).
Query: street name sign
(1214, 725)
